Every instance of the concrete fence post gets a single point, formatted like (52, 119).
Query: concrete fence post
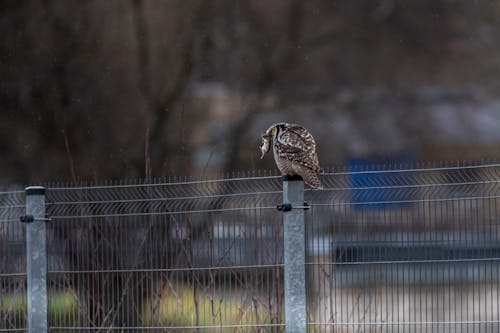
(36, 259)
(294, 256)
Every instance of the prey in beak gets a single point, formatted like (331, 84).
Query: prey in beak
(266, 144)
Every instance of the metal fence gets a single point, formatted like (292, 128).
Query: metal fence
(405, 249)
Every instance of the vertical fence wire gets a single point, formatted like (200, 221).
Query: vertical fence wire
(167, 256)
(414, 250)
(404, 249)
(12, 262)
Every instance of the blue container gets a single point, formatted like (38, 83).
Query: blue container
(380, 182)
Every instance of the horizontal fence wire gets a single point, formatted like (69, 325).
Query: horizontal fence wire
(12, 262)
(174, 328)
(389, 249)
(167, 256)
(405, 250)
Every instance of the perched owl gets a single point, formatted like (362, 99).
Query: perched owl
(294, 152)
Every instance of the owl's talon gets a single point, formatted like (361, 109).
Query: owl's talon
(287, 178)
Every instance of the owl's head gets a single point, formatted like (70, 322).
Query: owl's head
(270, 135)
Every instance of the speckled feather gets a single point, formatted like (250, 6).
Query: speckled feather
(297, 144)
(294, 151)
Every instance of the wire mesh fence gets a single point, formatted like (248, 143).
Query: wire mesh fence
(407, 249)
(183, 256)
(415, 250)
(12, 262)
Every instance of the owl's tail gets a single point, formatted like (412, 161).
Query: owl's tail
(311, 178)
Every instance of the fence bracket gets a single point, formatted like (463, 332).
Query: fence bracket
(286, 207)
(31, 218)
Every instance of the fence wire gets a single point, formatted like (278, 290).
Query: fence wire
(415, 250)
(170, 256)
(12, 262)
(389, 249)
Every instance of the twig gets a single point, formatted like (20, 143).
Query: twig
(70, 156)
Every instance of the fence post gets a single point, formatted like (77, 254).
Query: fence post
(294, 255)
(36, 259)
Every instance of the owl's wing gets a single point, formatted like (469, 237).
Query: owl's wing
(299, 137)
(297, 144)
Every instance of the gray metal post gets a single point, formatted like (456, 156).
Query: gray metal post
(36, 259)
(295, 255)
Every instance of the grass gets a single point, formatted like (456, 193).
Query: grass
(58, 304)
(178, 306)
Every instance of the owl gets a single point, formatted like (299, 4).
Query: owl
(294, 152)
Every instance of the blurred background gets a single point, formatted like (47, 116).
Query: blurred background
(139, 89)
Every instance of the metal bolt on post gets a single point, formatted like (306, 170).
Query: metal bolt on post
(36, 259)
(294, 255)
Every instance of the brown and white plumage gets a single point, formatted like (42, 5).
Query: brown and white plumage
(294, 151)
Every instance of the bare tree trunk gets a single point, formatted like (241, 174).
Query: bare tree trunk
(160, 109)
(270, 70)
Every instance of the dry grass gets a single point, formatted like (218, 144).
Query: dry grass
(410, 308)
